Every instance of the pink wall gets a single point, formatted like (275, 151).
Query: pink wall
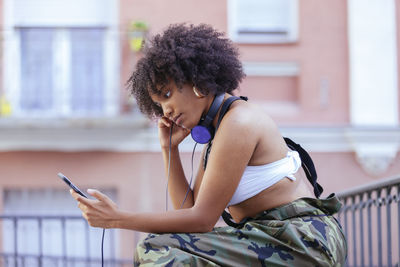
(321, 53)
(271, 88)
(341, 171)
(159, 13)
(139, 178)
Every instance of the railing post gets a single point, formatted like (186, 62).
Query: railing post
(379, 204)
(40, 258)
(369, 204)
(389, 226)
(345, 219)
(362, 206)
(112, 250)
(64, 241)
(87, 243)
(398, 223)
(15, 241)
(353, 218)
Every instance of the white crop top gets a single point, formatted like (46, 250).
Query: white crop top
(258, 178)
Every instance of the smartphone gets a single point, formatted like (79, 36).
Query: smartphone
(70, 184)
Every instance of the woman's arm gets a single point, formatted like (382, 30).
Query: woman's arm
(103, 212)
(177, 184)
(232, 149)
(171, 135)
(176, 188)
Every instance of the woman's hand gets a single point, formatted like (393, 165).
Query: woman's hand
(178, 133)
(100, 212)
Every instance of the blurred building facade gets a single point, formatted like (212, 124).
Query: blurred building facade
(326, 71)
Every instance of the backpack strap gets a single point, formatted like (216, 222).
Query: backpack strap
(224, 109)
(307, 164)
(309, 169)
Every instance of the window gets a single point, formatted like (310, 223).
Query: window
(61, 62)
(268, 21)
(61, 68)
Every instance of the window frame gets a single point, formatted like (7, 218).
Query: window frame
(263, 37)
(61, 108)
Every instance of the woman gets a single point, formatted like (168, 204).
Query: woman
(246, 167)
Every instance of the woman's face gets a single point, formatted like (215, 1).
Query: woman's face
(181, 106)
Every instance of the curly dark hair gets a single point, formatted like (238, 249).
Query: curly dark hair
(197, 55)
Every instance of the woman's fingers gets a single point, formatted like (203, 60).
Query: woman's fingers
(81, 199)
(98, 212)
(97, 194)
(82, 207)
(164, 122)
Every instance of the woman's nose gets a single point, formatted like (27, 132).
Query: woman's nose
(167, 111)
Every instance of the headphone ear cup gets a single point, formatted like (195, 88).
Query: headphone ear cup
(202, 134)
(204, 131)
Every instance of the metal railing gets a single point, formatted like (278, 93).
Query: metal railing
(11, 254)
(370, 217)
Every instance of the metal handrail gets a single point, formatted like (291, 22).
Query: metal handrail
(16, 258)
(43, 217)
(380, 184)
(371, 206)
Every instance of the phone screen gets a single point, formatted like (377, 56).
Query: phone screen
(70, 184)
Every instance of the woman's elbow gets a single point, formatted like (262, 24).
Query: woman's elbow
(205, 228)
(203, 223)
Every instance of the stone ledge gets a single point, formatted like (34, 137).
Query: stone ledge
(375, 148)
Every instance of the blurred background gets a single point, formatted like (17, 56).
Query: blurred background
(326, 71)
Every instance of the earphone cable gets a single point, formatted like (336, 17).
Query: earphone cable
(169, 167)
(102, 248)
(191, 176)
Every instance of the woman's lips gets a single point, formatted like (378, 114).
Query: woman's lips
(178, 120)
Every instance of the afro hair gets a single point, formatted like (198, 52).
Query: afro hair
(185, 54)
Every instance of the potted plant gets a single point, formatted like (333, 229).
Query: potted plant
(137, 33)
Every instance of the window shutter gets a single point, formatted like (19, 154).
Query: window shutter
(36, 69)
(62, 13)
(267, 21)
(87, 85)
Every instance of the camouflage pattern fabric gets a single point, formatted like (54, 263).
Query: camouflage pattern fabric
(301, 233)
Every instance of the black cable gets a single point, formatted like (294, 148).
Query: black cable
(169, 173)
(102, 248)
(191, 176)
(169, 167)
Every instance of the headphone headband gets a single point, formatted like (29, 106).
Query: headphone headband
(204, 131)
(207, 120)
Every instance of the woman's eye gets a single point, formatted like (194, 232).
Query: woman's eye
(167, 94)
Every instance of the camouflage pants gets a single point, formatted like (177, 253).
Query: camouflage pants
(301, 233)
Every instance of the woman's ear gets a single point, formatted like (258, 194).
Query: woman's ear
(198, 95)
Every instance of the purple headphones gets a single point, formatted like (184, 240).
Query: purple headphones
(204, 131)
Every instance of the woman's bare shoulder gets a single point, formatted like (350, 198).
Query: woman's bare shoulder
(257, 127)
(251, 116)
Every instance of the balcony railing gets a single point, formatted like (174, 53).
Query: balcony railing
(24, 240)
(370, 217)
